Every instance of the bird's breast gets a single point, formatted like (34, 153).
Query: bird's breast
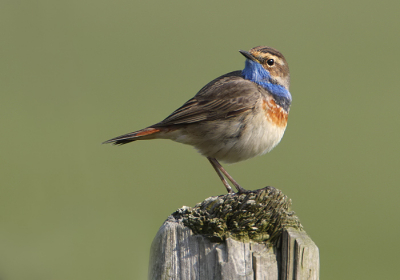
(274, 113)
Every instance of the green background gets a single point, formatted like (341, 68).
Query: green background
(76, 73)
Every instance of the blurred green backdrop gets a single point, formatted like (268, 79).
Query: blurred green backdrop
(76, 73)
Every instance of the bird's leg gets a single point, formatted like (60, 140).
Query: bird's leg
(226, 184)
(218, 167)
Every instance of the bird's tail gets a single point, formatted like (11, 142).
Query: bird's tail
(146, 133)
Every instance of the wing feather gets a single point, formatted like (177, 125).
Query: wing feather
(223, 97)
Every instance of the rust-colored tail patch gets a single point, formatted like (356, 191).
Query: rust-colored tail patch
(133, 136)
(146, 131)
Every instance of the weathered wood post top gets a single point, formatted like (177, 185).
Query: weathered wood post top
(253, 235)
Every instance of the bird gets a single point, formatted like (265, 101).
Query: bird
(237, 116)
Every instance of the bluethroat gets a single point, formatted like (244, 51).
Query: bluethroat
(235, 117)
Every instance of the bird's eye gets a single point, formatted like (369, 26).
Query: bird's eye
(270, 62)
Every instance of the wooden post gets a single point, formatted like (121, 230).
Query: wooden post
(235, 236)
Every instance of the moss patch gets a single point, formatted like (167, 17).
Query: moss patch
(258, 215)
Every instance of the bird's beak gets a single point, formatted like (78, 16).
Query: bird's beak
(248, 55)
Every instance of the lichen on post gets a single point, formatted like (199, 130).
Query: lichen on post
(234, 236)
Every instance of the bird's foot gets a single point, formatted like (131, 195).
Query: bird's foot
(240, 189)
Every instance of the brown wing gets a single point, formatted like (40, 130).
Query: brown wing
(223, 97)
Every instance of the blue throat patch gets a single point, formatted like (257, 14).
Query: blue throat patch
(254, 72)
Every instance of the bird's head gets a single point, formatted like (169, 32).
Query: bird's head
(266, 65)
